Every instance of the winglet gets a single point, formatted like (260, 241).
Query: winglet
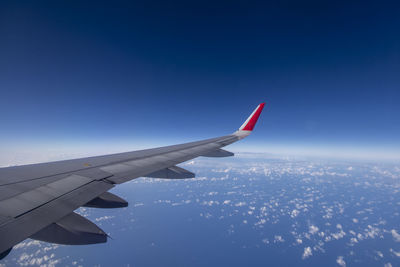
(248, 126)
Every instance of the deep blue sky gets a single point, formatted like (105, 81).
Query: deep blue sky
(75, 72)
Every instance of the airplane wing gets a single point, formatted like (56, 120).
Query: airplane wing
(38, 201)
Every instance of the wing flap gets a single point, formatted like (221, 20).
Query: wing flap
(107, 200)
(173, 172)
(219, 153)
(72, 229)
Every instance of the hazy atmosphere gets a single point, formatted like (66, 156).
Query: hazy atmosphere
(131, 74)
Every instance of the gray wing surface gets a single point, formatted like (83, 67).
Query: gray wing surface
(38, 201)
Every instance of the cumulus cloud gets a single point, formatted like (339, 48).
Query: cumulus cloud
(396, 236)
(104, 218)
(278, 239)
(395, 253)
(307, 253)
(340, 261)
(294, 213)
(240, 204)
(31, 259)
(353, 240)
(313, 229)
(379, 253)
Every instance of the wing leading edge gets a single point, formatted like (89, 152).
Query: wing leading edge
(38, 201)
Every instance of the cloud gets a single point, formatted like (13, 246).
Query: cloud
(307, 253)
(265, 241)
(278, 239)
(294, 213)
(353, 240)
(379, 253)
(313, 229)
(397, 254)
(31, 259)
(210, 203)
(240, 204)
(340, 261)
(396, 236)
(103, 218)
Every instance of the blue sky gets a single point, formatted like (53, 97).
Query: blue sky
(135, 75)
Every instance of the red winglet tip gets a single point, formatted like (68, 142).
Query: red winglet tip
(249, 124)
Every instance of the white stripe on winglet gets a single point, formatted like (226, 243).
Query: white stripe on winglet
(245, 123)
